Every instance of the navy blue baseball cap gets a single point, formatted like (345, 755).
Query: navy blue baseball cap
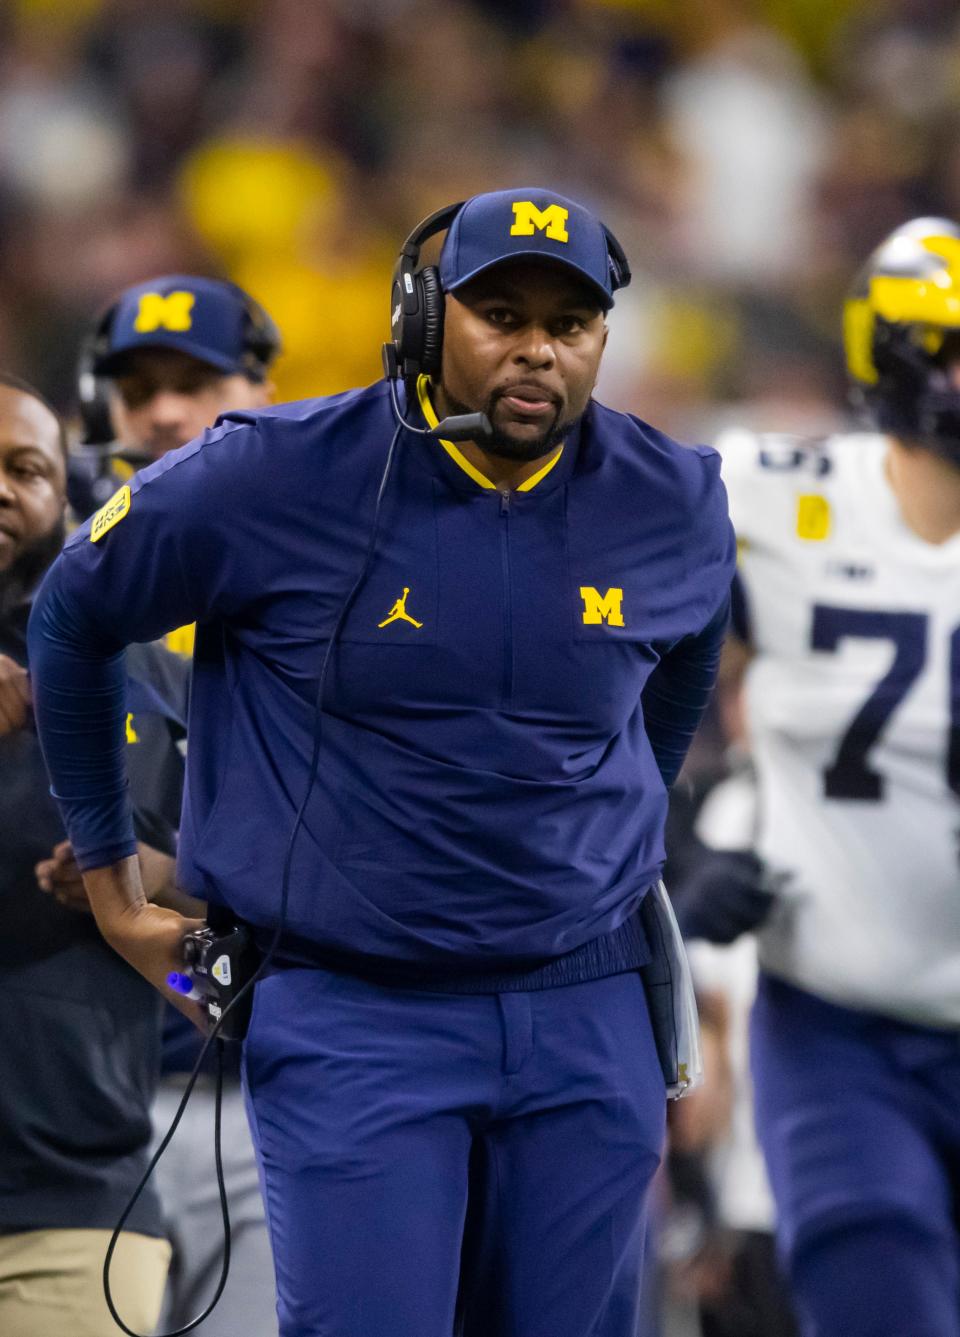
(530, 221)
(205, 318)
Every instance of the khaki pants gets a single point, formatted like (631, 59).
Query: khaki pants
(51, 1283)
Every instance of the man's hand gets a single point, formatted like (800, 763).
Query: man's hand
(148, 936)
(60, 876)
(727, 893)
(15, 697)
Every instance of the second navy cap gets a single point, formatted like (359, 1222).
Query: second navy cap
(204, 318)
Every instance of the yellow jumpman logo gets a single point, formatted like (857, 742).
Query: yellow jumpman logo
(399, 612)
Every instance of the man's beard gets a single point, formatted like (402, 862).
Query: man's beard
(23, 574)
(504, 447)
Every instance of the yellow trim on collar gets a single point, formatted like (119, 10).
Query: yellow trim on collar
(423, 394)
(429, 413)
(534, 479)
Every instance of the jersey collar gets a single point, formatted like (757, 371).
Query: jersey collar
(458, 457)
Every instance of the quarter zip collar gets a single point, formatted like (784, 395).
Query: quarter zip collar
(454, 466)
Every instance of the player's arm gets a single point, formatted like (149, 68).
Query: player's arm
(166, 561)
(149, 937)
(677, 692)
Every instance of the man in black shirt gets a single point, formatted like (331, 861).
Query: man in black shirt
(79, 1029)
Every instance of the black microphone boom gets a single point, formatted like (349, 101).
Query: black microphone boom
(464, 427)
(460, 427)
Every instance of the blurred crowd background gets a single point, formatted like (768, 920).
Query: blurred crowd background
(748, 153)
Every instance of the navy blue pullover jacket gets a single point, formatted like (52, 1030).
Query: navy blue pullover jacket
(513, 689)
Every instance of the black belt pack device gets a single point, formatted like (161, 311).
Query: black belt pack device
(221, 961)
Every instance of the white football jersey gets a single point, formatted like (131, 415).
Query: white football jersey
(853, 701)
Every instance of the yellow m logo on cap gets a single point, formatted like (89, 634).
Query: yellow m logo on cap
(599, 607)
(529, 219)
(157, 312)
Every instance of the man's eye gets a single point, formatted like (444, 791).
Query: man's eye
(193, 382)
(570, 324)
(501, 315)
(134, 395)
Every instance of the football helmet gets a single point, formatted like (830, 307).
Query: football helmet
(901, 330)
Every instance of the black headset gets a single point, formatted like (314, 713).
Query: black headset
(261, 345)
(417, 301)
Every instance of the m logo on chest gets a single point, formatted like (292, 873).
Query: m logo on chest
(599, 608)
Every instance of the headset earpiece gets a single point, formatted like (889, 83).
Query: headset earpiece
(93, 399)
(262, 343)
(406, 316)
(416, 318)
(97, 342)
(417, 303)
(433, 312)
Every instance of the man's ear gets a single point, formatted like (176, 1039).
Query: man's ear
(267, 394)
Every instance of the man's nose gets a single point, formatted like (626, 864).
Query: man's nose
(7, 495)
(167, 408)
(535, 347)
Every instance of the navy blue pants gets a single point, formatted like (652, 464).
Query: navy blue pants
(859, 1119)
(383, 1117)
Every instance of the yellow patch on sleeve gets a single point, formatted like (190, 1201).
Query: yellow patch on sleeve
(111, 514)
(813, 517)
